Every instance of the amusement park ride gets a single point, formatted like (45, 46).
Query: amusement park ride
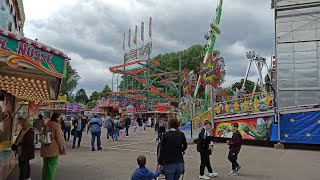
(257, 113)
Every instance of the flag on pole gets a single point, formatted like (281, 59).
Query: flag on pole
(124, 39)
(150, 27)
(135, 38)
(142, 31)
(129, 38)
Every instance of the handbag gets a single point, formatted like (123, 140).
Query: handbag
(45, 138)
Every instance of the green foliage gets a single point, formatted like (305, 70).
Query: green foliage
(81, 97)
(104, 92)
(229, 91)
(267, 81)
(95, 96)
(69, 82)
(91, 105)
(249, 86)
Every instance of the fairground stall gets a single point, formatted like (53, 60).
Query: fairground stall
(30, 72)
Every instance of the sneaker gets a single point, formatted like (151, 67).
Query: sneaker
(203, 177)
(93, 149)
(238, 168)
(29, 178)
(72, 147)
(214, 174)
(232, 173)
(99, 148)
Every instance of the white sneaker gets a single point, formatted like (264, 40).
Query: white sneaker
(214, 174)
(203, 177)
(232, 173)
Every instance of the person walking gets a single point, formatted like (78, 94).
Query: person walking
(116, 128)
(109, 124)
(203, 147)
(67, 129)
(127, 124)
(172, 148)
(24, 147)
(79, 124)
(122, 130)
(95, 125)
(135, 126)
(234, 146)
(51, 151)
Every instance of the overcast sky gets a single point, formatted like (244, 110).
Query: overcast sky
(91, 32)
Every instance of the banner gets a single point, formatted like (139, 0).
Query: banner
(150, 27)
(300, 128)
(253, 129)
(124, 39)
(135, 38)
(142, 31)
(27, 52)
(129, 38)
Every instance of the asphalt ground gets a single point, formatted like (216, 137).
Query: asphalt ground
(117, 161)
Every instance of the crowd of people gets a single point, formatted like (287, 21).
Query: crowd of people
(172, 143)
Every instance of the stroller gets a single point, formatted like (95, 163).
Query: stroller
(158, 155)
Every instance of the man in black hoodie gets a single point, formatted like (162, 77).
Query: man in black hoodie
(205, 150)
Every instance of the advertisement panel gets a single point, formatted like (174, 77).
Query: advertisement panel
(252, 129)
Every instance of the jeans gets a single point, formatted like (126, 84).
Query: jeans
(205, 162)
(24, 167)
(116, 133)
(110, 133)
(173, 171)
(93, 138)
(127, 130)
(66, 132)
(233, 156)
(79, 135)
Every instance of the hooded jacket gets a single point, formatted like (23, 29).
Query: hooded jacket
(143, 173)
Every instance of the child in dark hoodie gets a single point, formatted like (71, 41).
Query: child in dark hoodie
(143, 173)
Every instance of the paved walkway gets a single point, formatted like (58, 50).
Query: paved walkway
(117, 161)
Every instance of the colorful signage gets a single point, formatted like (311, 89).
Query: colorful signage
(134, 54)
(30, 52)
(253, 129)
(185, 83)
(210, 72)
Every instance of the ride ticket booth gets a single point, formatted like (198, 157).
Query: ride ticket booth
(30, 72)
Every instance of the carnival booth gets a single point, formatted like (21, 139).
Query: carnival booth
(30, 72)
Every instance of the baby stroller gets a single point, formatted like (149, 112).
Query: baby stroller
(162, 172)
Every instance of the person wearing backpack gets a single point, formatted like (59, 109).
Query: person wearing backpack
(67, 129)
(109, 124)
(116, 128)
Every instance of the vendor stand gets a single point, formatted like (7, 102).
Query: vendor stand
(30, 72)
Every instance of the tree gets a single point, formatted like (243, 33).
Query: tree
(69, 82)
(81, 97)
(267, 82)
(95, 96)
(249, 86)
(229, 91)
(105, 90)
(91, 105)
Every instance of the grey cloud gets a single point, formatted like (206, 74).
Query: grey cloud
(94, 29)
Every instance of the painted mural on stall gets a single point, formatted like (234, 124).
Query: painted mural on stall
(6, 119)
(253, 129)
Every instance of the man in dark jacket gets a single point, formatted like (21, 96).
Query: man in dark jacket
(203, 147)
(79, 124)
(234, 146)
(127, 123)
